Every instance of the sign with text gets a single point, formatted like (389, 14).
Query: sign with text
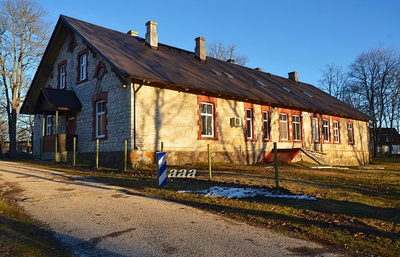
(182, 173)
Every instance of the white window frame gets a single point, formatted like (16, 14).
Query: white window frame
(83, 67)
(249, 124)
(326, 130)
(336, 132)
(296, 128)
(99, 122)
(49, 125)
(315, 133)
(266, 125)
(284, 129)
(207, 120)
(63, 77)
(350, 132)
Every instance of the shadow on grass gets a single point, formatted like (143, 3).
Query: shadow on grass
(26, 239)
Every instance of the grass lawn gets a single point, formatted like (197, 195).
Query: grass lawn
(20, 236)
(357, 210)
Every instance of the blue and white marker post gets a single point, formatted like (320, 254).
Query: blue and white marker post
(161, 169)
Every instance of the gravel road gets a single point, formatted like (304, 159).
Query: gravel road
(96, 219)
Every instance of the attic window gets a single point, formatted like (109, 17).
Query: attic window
(287, 89)
(307, 94)
(228, 75)
(216, 72)
(261, 83)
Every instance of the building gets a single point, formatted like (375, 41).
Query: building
(99, 85)
(389, 139)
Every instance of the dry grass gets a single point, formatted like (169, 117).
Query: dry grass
(21, 236)
(357, 211)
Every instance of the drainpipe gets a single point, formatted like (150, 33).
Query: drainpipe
(135, 91)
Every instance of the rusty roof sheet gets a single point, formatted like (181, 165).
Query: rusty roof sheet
(173, 67)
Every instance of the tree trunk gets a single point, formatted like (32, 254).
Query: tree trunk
(12, 128)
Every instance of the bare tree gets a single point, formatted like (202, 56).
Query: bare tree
(374, 74)
(334, 81)
(393, 107)
(219, 51)
(23, 38)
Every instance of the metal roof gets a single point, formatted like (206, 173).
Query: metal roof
(179, 69)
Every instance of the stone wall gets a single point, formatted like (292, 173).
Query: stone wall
(171, 119)
(118, 101)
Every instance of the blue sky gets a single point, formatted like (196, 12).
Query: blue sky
(277, 35)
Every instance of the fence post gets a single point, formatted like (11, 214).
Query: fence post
(125, 155)
(56, 140)
(74, 152)
(42, 139)
(276, 165)
(209, 161)
(97, 154)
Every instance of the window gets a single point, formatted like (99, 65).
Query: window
(336, 135)
(100, 70)
(62, 75)
(261, 83)
(283, 125)
(266, 125)
(314, 124)
(325, 129)
(82, 67)
(296, 128)
(100, 119)
(216, 72)
(350, 132)
(49, 125)
(249, 123)
(207, 120)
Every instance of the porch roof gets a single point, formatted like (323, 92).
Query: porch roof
(51, 100)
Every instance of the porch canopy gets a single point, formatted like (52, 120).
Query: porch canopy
(51, 100)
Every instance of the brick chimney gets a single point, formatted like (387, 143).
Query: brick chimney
(200, 50)
(133, 33)
(151, 34)
(294, 75)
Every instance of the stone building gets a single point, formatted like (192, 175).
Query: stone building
(99, 85)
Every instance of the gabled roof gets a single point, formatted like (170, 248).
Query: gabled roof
(385, 132)
(178, 69)
(51, 100)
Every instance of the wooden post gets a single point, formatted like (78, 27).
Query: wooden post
(43, 134)
(125, 155)
(209, 161)
(74, 152)
(56, 140)
(97, 154)
(276, 165)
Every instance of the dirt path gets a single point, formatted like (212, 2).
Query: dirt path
(95, 219)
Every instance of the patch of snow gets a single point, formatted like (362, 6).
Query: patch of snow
(371, 168)
(237, 192)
